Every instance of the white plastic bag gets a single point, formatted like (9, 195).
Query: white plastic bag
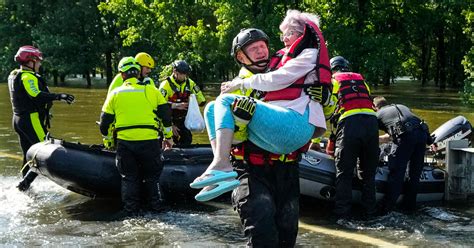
(194, 120)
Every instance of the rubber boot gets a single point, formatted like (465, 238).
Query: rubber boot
(130, 196)
(153, 196)
(27, 180)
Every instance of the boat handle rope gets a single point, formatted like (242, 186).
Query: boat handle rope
(32, 161)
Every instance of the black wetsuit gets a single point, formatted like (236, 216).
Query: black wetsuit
(30, 107)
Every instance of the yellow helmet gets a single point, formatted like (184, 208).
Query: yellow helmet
(144, 59)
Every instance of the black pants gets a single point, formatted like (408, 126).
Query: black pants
(139, 163)
(185, 136)
(28, 136)
(356, 139)
(409, 150)
(267, 201)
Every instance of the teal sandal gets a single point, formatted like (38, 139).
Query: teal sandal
(213, 177)
(219, 189)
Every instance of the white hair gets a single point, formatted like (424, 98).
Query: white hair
(294, 19)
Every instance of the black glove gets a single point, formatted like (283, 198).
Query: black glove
(320, 93)
(65, 97)
(244, 107)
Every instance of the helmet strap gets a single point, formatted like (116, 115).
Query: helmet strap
(261, 64)
(178, 81)
(29, 67)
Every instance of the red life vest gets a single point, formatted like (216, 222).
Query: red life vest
(179, 96)
(256, 156)
(352, 93)
(311, 38)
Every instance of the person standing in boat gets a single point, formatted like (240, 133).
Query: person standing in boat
(31, 101)
(356, 138)
(268, 181)
(136, 109)
(176, 89)
(410, 136)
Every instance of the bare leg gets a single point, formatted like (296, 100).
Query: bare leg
(213, 146)
(221, 159)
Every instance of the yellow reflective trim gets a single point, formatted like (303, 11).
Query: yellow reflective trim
(166, 90)
(282, 158)
(30, 83)
(134, 104)
(116, 82)
(335, 90)
(199, 96)
(243, 73)
(364, 111)
(35, 122)
(238, 157)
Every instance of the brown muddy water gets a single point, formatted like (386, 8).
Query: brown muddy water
(48, 215)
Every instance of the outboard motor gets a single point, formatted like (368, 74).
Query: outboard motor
(455, 129)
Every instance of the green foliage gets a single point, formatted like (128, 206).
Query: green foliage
(382, 39)
(467, 94)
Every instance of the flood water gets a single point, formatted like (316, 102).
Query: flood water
(52, 216)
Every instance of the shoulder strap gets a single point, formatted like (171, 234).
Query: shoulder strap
(172, 85)
(188, 85)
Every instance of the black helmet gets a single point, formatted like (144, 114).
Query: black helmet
(245, 37)
(339, 63)
(181, 66)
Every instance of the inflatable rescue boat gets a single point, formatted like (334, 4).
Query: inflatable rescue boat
(91, 171)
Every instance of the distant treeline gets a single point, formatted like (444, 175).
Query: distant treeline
(428, 40)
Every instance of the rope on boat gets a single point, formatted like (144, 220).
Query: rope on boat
(32, 161)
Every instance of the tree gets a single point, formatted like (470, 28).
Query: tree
(71, 43)
(15, 30)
